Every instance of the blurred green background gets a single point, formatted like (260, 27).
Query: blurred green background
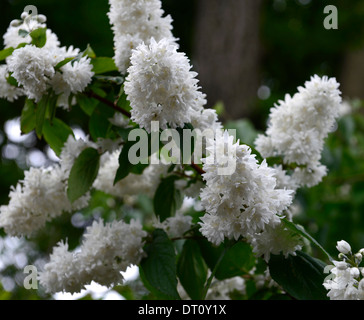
(293, 45)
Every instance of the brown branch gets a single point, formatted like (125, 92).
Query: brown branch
(113, 105)
(197, 168)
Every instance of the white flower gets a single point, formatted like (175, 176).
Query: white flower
(8, 91)
(243, 200)
(32, 67)
(135, 22)
(298, 126)
(28, 24)
(220, 290)
(60, 273)
(42, 194)
(39, 198)
(343, 247)
(161, 87)
(107, 249)
(131, 185)
(78, 74)
(203, 119)
(346, 279)
(73, 77)
(176, 226)
(275, 240)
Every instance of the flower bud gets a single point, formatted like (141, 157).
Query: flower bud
(24, 15)
(343, 247)
(355, 272)
(41, 18)
(358, 258)
(15, 23)
(341, 265)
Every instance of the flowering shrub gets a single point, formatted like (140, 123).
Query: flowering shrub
(238, 237)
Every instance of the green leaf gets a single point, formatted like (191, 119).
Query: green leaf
(301, 276)
(56, 134)
(139, 168)
(6, 53)
(167, 198)
(238, 259)
(158, 269)
(182, 138)
(27, 118)
(23, 33)
(299, 230)
(103, 65)
(83, 173)
(63, 62)
(46, 104)
(39, 37)
(87, 105)
(40, 115)
(11, 80)
(245, 130)
(192, 270)
(89, 52)
(22, 45)
(110, 79)
(123, 101)
(124, 165)
(99, 124)
(123, 132)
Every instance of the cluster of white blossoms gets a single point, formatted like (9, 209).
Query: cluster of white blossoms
(297, 129)
(135, 22)
(131, 185)
(34, 68)
(346, 281)
(245, 201)
(221, 290)
(107, 249)
(175, 226)
(161, 87)
(8, 91)
(42, 194)
(18, 31)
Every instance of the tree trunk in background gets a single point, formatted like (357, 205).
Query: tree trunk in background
(227, 53)
(352, 77)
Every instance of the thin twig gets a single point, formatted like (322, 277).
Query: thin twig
(197, 168)
(113, 105)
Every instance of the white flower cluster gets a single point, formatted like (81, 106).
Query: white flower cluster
(42, 195)
(8, 91)
(135, 22)
(161, 87)
(221, 290)
(105, 251)
(275, 240)
(346, 281)
(28, 23)
(34, 68)
(245, 202)
(131, 185)
(297, 129)
(175, 226)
